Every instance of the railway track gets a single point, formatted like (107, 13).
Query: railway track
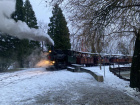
(121, 72)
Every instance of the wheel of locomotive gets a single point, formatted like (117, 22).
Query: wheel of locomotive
(64, 65)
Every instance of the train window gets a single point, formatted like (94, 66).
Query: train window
(83, 55)
(88, 55)
(79, 54)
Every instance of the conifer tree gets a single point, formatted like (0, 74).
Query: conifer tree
(31, 21)
(24, 13)
(58, 29)
(7, 48)
(29, 14)
(19, 13)
(20, 44)
(12, 48)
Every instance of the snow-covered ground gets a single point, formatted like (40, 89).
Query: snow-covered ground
(113, 81)
(24, 87)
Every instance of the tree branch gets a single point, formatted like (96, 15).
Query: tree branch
(120, 32)
(129, 6)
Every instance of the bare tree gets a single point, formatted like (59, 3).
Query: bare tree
(115, 18)
(43, 26)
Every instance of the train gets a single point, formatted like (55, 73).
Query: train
(63, 58)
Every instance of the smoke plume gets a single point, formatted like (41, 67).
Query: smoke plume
(19, 29)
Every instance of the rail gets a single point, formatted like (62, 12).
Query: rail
(117, 71)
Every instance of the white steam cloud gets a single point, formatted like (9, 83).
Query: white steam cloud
(19, 29)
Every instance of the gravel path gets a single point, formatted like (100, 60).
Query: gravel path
(84, 94)
(41, 87)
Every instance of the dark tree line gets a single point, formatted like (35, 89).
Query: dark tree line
(13, 49)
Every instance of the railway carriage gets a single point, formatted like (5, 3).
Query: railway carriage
(63, 58)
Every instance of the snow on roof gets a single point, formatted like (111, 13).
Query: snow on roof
(102, 54)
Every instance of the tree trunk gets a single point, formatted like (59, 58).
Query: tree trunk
(93, 48)
(20, 60)
(21, 63)
(135, 68)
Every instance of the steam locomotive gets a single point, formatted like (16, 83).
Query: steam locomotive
(64, 58)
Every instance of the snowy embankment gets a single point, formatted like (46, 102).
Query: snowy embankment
(23, 86)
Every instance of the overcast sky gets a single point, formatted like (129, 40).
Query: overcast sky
(42, 12)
